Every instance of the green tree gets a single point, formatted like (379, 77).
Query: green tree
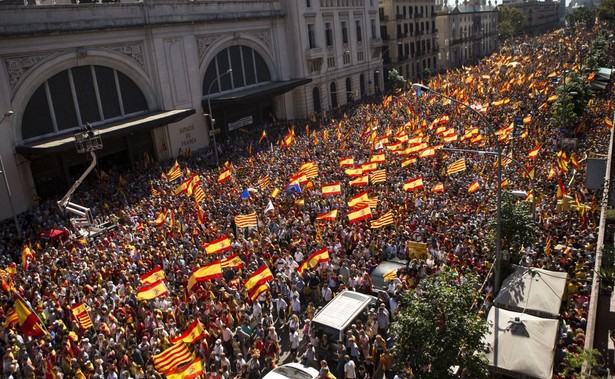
(518, 229)
(396, 81)
(582, 15)
(597, 56)
(573, 95)
(437, 329)
(589, 357)
(606, 12)
(510, 20)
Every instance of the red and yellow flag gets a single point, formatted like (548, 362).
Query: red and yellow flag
(208, 272)
(473, 187)
(534, 152)
(360, 181)
(232, 261)
(171, 357)
(347, 162)
(246, 221)
(259, 277)
(355, 200)
(438, 188)
(362, 213)
(413, 184)
(328, 216)
(378, 176)
(224, 175)
(28, 320)
(152, 290)
(457, 166)
(331, 189)
(385, 219)
(319, 256)
(152, 276)
(194, 332)
(219, 245)
(11, 319)
(191, 370)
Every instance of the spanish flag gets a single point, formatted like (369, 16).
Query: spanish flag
(319, 256)
(191, 370)
(263, 136)
(161, 218)
(474, 186)
(152, 291)
(385, 219)
(152, 276)
(369, 167)
(219, 245)
(413, 184)
(303, 267)
(331, 189)
(194, 332)
(259, 277)
(378, 158)
(362, 213)
(171, 357)
(224, 175)
(608, 122)
(360, 181)
(356, 200)
(257, 291)
(347, 162)
(26, 256)
(232, 261)
(534, 152)
(28, 320)
(438, 188)
(208, 272)
(505, 183)
(353, 172)
(328, 216)
(430, 152)
(408, 162)
(561, 190)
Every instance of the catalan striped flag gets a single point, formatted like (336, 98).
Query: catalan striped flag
(331, 189)
(172, 357)
(174, 172)
(259, 277)
(194, 332)
(385, 219)
(152, 276)
(11, 319)
(152, 290)
(429, 152)
(457, 166)
(360, 214)
(474, 186)
(264, 181)
(246, 221)
(208, 272)
(378, 176)
(327, 216)
(391, 275)
(199, 194)
(80, 312)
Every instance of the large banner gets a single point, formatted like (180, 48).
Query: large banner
(244, 121)
(416, 250)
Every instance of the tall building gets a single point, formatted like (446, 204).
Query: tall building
(150, 76)
(539, 16)
(466, 32)
(409, 32)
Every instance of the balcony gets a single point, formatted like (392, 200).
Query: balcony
(315, 53)
(402, 35)
(400, 17)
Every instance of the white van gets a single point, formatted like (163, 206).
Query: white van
(335, 318)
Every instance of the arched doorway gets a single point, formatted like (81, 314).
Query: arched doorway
(333, 90)
(348, 90)
(316, 99)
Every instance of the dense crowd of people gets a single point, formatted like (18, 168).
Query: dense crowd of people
(245, 338)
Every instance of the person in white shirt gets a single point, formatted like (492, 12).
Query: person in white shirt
(327, 294)
(349, 368)
(293, 340)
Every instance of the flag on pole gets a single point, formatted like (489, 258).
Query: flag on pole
(474, 186)
(263, 136)
(161, 218)
(28, 320)
(246, 221)
(208, 272)
(259, 277)
(264, 181)
(219, 245)
(354, 172)
(152, 290)
(199, 194)
(257, 291)
(269, 207)
(360, 214)
(369, 167)
(378, 158)
(80, 312)
(175, 172)
(561, 190)
(429, 152)
(275, 193)
(505, 184)
(457, 166)
(391, 275)
(408, 162)
(385, 219)
(172, 357)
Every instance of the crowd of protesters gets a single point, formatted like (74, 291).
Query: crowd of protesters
(245, 338)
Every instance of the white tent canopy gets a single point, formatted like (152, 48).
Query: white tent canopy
(533, 291)
(521, 344)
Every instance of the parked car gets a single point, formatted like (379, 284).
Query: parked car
(292, 371)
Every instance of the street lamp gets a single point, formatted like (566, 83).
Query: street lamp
(6, 183)
(212, 120)
(498, 230)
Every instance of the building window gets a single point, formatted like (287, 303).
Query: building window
(333, 90)
(344, 32)
(359, 33)
(308, 3)
(360, 56)
(70, 98)
(329, 34)
(248, 68)
(346, 57)
(316, 99)
(311, 36)
(373, 24)
(330, 62)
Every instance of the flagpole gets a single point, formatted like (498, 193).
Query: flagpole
(24, 302)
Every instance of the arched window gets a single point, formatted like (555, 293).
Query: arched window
(333, 89)
(348, 90)
(70, 98)
(316, 99)
(248, 68)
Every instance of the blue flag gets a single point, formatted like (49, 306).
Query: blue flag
(294, 187)
(245, 194)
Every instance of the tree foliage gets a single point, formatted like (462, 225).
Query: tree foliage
(573, 95)
(582, 15)
(606, 12)
(396, 81)
(598, 55)
(518, 226)
(510, 20)
(436, 329)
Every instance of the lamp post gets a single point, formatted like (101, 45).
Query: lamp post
(6, 183)
(212, 120)
(498, 230)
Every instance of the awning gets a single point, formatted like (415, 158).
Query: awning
(259, 91)
(115, 129)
